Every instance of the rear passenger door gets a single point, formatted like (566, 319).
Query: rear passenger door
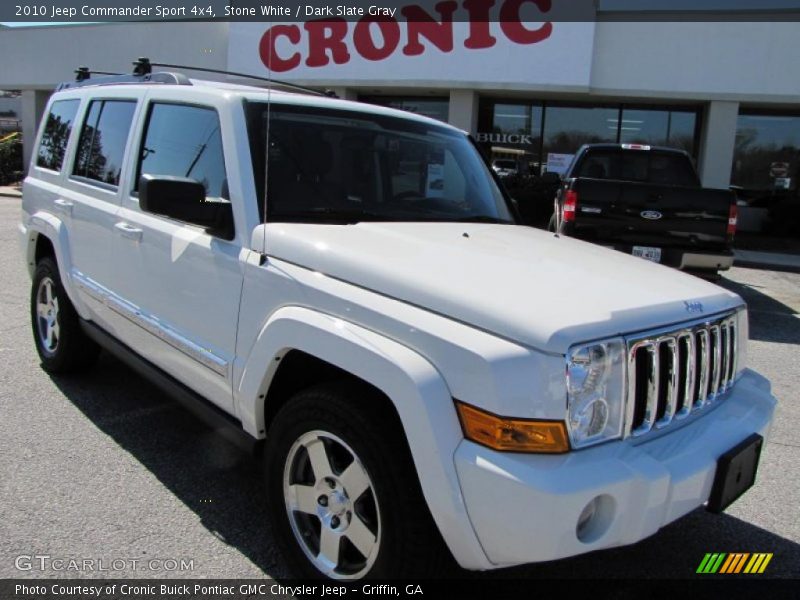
(90, 196)
(179, 286)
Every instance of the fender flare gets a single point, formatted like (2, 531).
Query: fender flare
(48, 225)
(413, 385)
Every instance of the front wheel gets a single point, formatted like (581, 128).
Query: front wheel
(344, 497)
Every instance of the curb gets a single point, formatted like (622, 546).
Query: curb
(9, 192)
(752, 264)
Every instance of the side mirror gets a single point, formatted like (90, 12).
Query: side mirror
(184, 199)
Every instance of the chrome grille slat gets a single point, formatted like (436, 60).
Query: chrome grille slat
(652, 389)
(672, 384)
(690, 371)
(734, 345)
(716, 364)
(699, 363)
(705, 352)
(724, 329)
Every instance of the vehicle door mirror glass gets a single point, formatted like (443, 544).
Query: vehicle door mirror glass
(185, 200)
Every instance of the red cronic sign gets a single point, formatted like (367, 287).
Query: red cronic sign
(317, 43)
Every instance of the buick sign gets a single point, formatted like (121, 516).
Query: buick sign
(652, 215)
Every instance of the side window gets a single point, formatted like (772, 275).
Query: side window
(184, 141)
(102, 144)
(56, 134)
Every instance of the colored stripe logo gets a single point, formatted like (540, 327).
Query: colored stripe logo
(734, 563)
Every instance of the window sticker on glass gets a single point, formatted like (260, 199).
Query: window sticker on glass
(435, 182)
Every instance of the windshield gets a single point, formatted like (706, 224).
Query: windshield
(343, 167)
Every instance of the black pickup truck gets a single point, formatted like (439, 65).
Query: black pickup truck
(646, 201)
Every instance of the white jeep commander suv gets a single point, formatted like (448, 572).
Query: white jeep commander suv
(346, 288)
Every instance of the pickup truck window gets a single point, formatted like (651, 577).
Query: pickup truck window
(56, 134)
(103, 139)
(340, 167)
(184, 141)
(646, 166)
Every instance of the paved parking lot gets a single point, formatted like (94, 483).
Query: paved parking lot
(108, 469)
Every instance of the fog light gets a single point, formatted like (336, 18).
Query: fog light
(595, 519)
(586, 516)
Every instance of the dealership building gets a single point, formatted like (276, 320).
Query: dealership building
(529, 90)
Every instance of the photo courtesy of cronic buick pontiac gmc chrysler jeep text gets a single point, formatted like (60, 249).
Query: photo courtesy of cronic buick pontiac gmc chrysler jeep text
(346, 289)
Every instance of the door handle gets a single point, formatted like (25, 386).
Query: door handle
(128, 231)
(63, 206)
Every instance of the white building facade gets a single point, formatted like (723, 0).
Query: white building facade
(530, 91)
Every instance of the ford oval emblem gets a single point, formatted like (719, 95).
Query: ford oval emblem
(693, 307)
(652, 215)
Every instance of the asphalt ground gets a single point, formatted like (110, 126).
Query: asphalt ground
(106, 468)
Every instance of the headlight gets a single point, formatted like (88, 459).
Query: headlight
(595, 392)
(742, 335)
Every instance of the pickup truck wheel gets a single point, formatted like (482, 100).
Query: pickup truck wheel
(345, 502)
(60, 341)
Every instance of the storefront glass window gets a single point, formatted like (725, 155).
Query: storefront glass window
(767, 153)
(524, 140)
(515, 138)
(435, 108)
(675, 129)
(567, 128)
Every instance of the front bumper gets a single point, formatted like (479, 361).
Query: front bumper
(525, 508)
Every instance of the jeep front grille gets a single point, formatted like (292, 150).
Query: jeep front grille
(672, 374)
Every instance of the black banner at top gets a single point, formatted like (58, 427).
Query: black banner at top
(433, 11)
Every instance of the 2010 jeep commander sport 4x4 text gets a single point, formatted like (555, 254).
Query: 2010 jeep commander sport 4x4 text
(347, 285)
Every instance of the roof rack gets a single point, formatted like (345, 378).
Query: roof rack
(143, 73)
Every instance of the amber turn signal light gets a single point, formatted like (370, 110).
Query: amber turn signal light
(512, 435)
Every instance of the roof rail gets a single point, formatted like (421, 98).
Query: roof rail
(142, 73)
(270, 80)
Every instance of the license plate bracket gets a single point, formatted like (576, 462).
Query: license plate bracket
(648, 253)
(736, 473)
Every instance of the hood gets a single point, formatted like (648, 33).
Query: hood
(517, 282)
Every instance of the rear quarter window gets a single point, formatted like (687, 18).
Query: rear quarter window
(57, 128)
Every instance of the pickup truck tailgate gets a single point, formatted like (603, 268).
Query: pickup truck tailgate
(648, 214)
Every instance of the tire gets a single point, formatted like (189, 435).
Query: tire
(60, 341)
(342, 430)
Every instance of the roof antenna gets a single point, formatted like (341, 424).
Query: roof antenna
(142, 66)
(266, 148)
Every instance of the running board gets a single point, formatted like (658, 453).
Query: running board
(222, 423)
